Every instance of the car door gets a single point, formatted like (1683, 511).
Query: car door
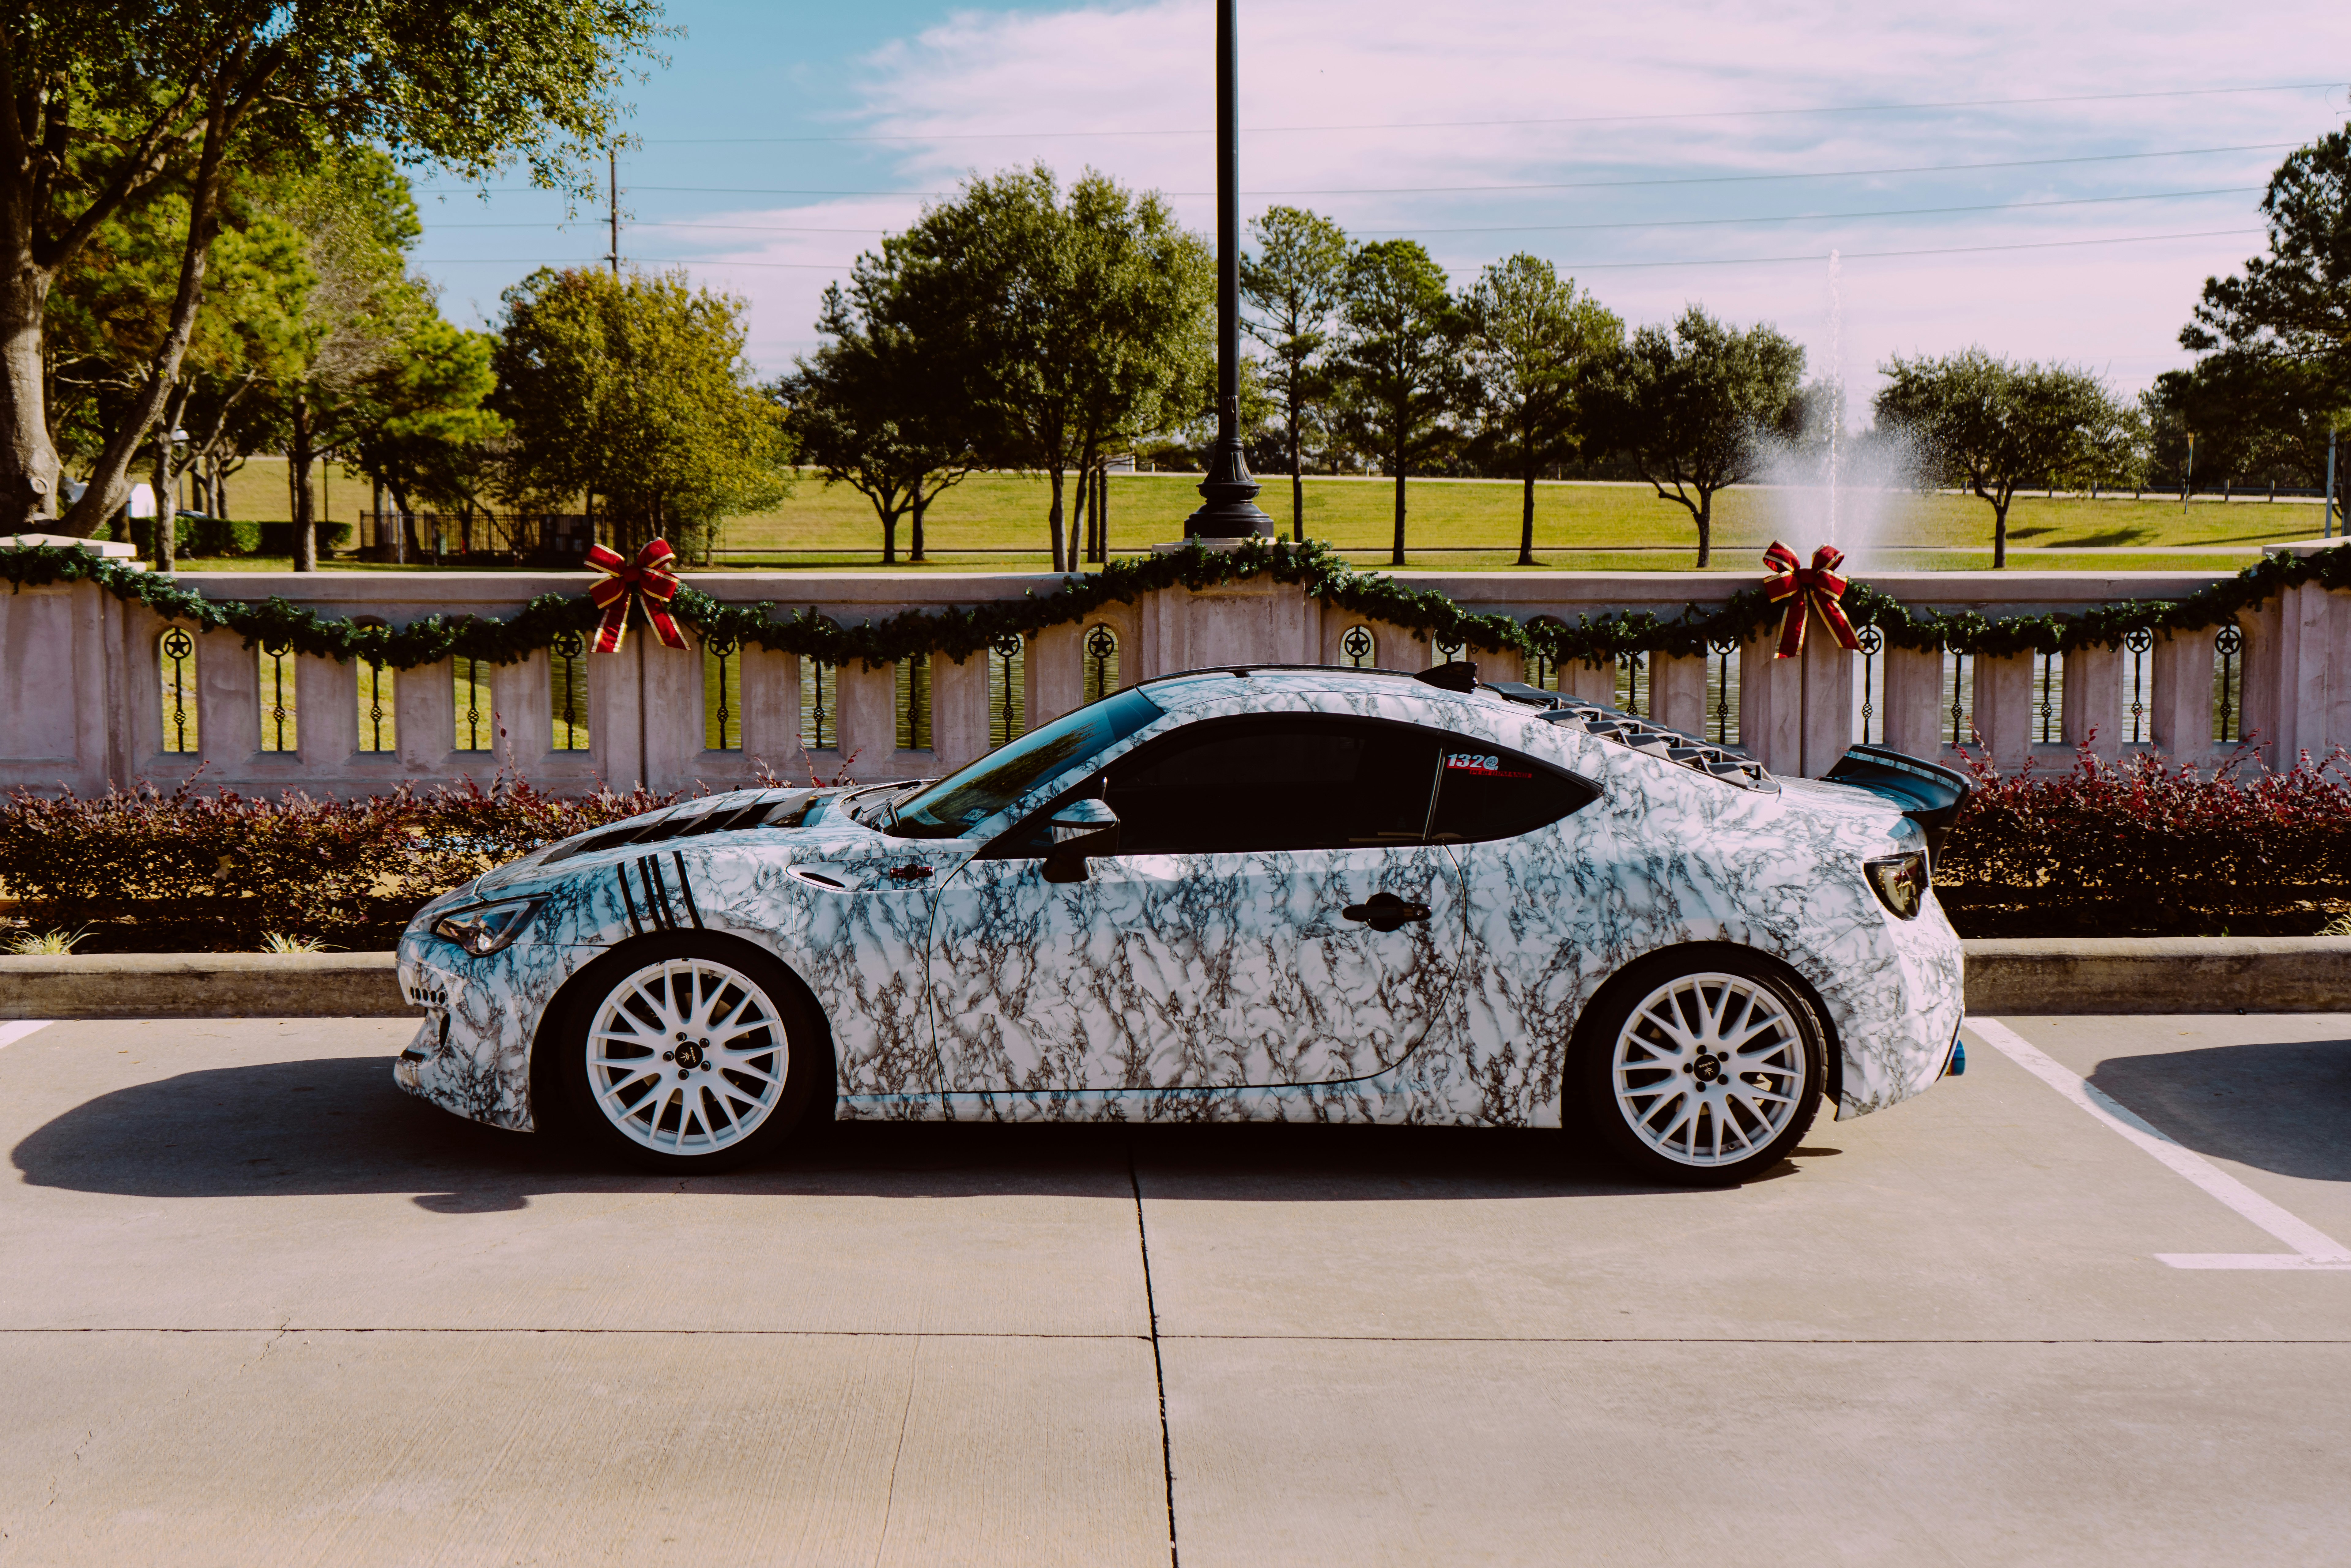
(1275, 916)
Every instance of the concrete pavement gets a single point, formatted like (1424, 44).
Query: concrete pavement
(261, 1307)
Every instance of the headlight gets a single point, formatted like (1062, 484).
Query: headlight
(486, 927)
(1900, 882)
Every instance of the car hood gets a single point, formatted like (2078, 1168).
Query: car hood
(803, 825)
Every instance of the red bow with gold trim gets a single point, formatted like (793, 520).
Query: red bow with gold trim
(648, 578)
(1817, 585)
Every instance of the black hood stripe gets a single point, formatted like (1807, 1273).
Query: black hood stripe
(635, 924)
(657, 891)
(685, 889)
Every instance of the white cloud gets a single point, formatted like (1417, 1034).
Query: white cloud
(1407, 78)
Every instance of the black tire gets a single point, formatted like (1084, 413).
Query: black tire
(1679, 1100)
(717, 1108)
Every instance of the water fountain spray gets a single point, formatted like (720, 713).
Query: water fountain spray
(1836, 388)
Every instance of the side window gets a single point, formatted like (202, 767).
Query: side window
(1484, 792)
(1275, 783)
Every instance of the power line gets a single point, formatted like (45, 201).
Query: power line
(598, 260)
(1873, 255)
(1826, 217)
(1494, 228)
(1740, 179)
(648, 223)
(1564, 119)
(1443, 190)
(1568, 266)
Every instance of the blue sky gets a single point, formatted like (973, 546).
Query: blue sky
(1679, 151)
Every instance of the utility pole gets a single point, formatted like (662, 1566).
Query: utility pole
(613, 185)
(2330, 487)
(2188, 481)
(1228, 507)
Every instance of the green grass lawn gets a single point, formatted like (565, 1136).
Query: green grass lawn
(997, 522)
(1586, 527)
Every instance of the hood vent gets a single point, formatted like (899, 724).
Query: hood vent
(727, 814)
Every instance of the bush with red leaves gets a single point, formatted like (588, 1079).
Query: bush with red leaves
(2144, 847)
(154, 871)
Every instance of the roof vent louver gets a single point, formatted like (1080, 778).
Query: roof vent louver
(1693, 752)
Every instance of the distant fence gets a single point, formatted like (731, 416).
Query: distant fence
(477, 538)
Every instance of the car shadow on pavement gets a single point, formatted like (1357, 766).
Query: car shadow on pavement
(338, 1125)
(2280, 1106)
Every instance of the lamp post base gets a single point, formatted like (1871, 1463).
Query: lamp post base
(1228, 500)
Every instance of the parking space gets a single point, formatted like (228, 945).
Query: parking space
(264, 1307)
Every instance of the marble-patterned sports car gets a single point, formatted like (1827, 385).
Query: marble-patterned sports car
(1291, 893)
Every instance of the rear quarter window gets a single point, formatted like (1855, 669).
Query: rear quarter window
(1484, 792)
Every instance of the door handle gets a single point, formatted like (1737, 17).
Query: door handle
(1386, 912)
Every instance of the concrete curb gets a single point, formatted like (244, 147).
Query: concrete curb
(199, 986)
(2159, 975)
(2103, 974)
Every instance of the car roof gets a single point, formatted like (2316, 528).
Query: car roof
(1689, 751)
(1301, 677)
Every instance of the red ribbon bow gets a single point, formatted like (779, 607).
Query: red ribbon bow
(647, 577)
(1817, 585)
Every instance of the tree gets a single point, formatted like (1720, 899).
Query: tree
(1294, 281)
(108, 106)
(2277, 374)
(635, 390)
(418, 423)
(2255, 412)
(1064, 327)
(868, 412)
(1400, 358)
(1688, 407)
(1991, 427)
(1533, 344)
(108, 317)
(2296, 300)
(358, 220)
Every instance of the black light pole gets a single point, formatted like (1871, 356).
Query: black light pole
(1229, 509)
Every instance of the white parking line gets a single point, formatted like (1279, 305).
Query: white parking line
(10, 1033)
(2313, 1248)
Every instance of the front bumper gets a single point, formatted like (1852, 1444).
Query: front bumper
(472, 1054)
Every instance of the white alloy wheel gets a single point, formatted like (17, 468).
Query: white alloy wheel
(687, 1056)
(1709, 1069)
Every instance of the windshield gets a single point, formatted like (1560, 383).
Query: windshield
(958, 803)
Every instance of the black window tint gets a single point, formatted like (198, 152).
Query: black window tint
(1484, 792)
(1284, 784)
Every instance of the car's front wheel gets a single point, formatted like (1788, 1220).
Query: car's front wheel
(1700, 1070)
(682, 1055)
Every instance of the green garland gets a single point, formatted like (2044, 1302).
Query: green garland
(958, 634)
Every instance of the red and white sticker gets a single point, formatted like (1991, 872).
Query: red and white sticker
(1486, 764)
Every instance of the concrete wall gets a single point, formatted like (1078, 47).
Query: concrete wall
(81, 696)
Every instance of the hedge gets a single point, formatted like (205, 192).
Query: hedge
(2135, 848)
(2144, 847)
(192, 871)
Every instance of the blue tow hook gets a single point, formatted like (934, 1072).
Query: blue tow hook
(1958, 1065)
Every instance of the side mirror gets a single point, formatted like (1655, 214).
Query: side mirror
(1081, 830)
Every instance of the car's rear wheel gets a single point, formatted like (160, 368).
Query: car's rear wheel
(682, 1055)
(1700, 1070)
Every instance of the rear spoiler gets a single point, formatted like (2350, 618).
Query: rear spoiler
(1929, 794)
